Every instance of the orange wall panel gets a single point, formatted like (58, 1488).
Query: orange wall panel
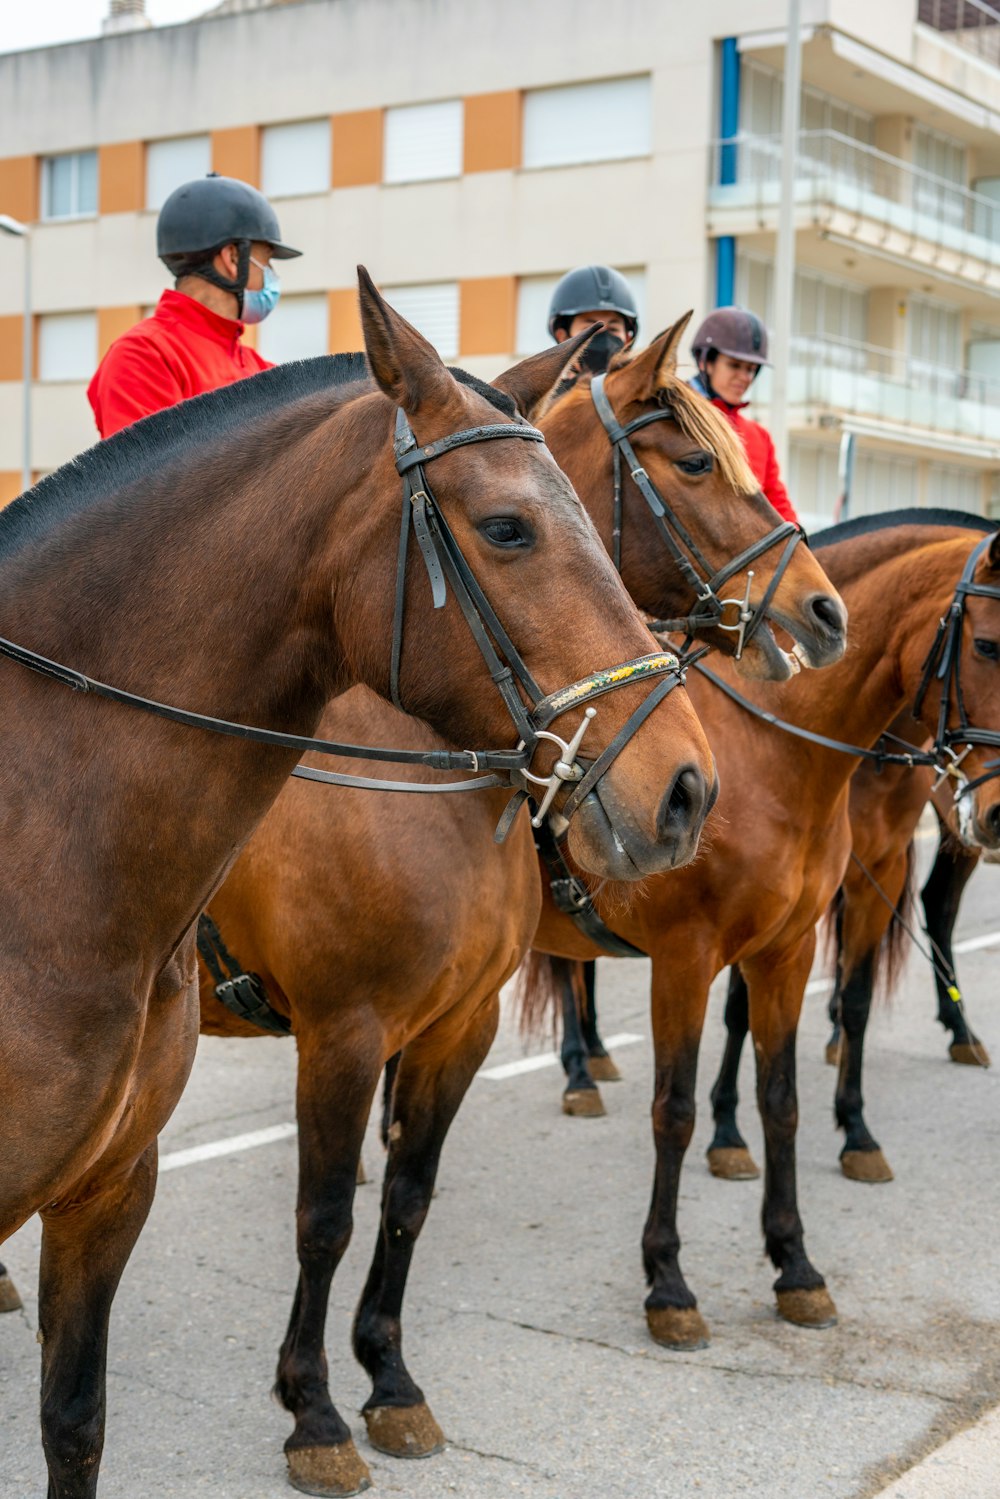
(112, 322)
(345, 321)
(357, 148)
(19, 187)
(10, 348)
(236, 153)
(492, 132)
(10, 486)
(487, 315)
(121, 186)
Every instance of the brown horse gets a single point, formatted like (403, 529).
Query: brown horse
(366, 969)
(780, 842)
(237, 555)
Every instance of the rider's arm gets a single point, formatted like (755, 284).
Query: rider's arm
(133, 381)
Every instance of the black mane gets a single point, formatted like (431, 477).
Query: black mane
(912, 516)
(142, 451)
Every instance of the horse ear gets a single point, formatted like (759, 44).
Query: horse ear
(993, 553)
(530, 383)
(405, 366)
(640, 378)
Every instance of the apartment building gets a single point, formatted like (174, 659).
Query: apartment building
(469, 153)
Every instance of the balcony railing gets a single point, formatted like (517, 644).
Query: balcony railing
(840, 172)
(856, 379)
(972, 24)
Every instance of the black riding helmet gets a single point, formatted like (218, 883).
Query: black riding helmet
(200, 217)
(592, 288)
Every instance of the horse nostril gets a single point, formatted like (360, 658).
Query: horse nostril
(829, 613)
(993, 821)
(685, 803)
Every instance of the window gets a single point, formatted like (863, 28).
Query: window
(831, 131)
(67, 345)
(534, 293)
(941, 161)
(423, 141)
(587, 122)
(432, 309)
(829, 317)
(955, 488)
(295, 158)
(69, 185)
(813, 482)
(933, 337)
(169, 163)
(298, 328)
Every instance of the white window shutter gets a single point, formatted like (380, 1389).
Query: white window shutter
(433, 311)
(298, 328)
(171, 162)
(67, 345)
(584, 122)
(295, 158)
(423, 141)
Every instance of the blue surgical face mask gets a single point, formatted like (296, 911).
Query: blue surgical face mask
(257, 305)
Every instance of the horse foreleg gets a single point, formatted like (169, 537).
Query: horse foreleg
(776, 981)
(86, 1243)
(581, 1096)
(832, 1053)
(434, 1075)
(941, 898)
(336, 1084)
(728, 1155)
(10, 1301)
(678, 1016)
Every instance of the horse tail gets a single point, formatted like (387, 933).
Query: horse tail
(542, 981)
(891, 956)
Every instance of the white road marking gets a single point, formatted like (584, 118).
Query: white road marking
(550, 1059)
(230, 1146)
(973, 944)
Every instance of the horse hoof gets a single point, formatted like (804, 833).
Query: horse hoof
(331, 1472)
(404, 1430)
(10, 1301)
(969, 1054)
(733, 1163)
(360, 1176)
(807, 1308)
(681, 1328)
(603, 1069)
(865, 1166)
(832, 1053)
(583, 1103)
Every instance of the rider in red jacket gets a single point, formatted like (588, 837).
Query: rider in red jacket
(730, 347)
(217, 236)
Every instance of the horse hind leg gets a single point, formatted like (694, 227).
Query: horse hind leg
(434, 1075)
(728, 1155)
(601, 1063)
(581, 1096)
(336, 1084)
(10, 1301)
(85, 1247)
(861, 1158)
(941, 898)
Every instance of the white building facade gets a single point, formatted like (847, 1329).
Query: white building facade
(470, 153)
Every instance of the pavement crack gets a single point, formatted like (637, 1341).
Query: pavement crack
(129, 1376)
(501, 1457)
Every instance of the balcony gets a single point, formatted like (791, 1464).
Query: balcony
(971, 24)
(832, 381)
(854, 194)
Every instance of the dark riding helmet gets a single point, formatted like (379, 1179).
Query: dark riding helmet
(592, 288)
(200, 217)
(733, 331)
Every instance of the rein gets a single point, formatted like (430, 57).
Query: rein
(709, 609)
(445, 562)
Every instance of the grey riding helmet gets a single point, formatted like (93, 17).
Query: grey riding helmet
(199, 217)
(592, 288)
(733, 331)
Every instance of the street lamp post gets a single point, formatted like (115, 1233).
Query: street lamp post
(20, 231)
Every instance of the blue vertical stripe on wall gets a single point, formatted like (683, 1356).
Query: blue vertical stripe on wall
(729, 124)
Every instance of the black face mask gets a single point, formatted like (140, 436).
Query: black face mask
(600, 351)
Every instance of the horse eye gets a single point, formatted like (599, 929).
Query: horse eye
(698, 463)
(504, 532)
(988, 649)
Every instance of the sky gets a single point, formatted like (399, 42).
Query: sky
(46, 22)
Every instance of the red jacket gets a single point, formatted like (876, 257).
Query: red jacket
(183, 350)
(759, 449)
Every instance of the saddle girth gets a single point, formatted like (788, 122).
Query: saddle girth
(242, 993)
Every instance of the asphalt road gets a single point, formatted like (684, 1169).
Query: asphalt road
(525, 1323)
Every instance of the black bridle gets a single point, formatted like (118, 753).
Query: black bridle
(445, 564)
(709, 611)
